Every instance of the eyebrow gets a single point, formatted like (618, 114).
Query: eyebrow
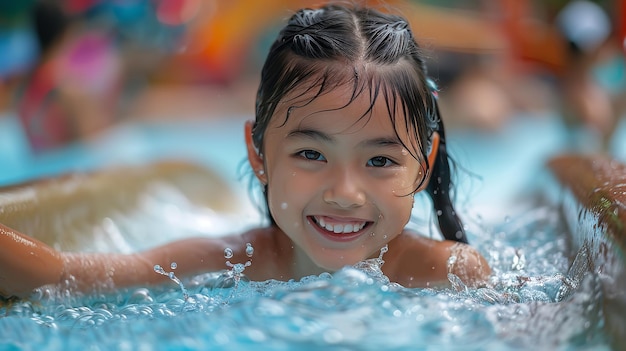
(309, 134)
(321, 136)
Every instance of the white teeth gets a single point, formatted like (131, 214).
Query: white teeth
(340, 228)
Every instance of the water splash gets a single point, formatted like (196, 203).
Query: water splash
(173, 277)
(519, 260)
(228, 253)
(373, 266)
(383, 250)
(237, 269)
(576, 273)
(522, 309)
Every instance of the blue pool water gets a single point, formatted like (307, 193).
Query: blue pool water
(536, 300)
(541, 295)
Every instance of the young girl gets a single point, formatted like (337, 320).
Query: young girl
(347, 131)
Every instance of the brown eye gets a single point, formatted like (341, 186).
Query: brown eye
(311, 155)
(379, 161)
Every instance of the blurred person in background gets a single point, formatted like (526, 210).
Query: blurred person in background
(92, 58)
(558, 55)
(594, 78)
(100, 61)
(19, 49)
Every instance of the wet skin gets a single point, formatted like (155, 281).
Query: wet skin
(340, 186)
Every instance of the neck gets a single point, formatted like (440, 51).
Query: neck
(303, 266)
(295, 263)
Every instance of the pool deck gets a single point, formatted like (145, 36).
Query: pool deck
(595, 207)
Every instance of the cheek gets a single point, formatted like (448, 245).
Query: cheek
(284, 182)
(405, 183)
(404, 206)
(286, 195)
(399, 206)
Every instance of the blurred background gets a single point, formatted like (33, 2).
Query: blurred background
(89, 83)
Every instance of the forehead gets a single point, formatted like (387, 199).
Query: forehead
(344, 107)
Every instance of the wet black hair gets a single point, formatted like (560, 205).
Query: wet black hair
(321, 49)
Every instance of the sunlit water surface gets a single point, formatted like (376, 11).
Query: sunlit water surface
(539, 299)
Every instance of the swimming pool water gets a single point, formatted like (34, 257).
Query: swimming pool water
(538, 300)
(541, 297)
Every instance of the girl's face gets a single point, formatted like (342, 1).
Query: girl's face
(339, 185)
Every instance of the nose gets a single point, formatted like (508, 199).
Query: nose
(344, 189)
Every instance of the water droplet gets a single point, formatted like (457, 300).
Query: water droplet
(451, 262)
(383, 250)
(158, 269)
(439, 212)
(249, 250)
(519, 260)
(283, 206)
(228, 253)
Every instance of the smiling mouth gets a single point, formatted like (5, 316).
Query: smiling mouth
(334, 227)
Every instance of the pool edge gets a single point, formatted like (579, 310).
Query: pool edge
(594, 206)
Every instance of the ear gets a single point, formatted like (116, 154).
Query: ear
(431, 158)
(433, 150)
(255, 159)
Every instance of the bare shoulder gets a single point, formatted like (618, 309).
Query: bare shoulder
(273, 253)
(416, 261)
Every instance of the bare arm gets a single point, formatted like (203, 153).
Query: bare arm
(105, 271)
(424, 262)
(468, 264)
(26, 264)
